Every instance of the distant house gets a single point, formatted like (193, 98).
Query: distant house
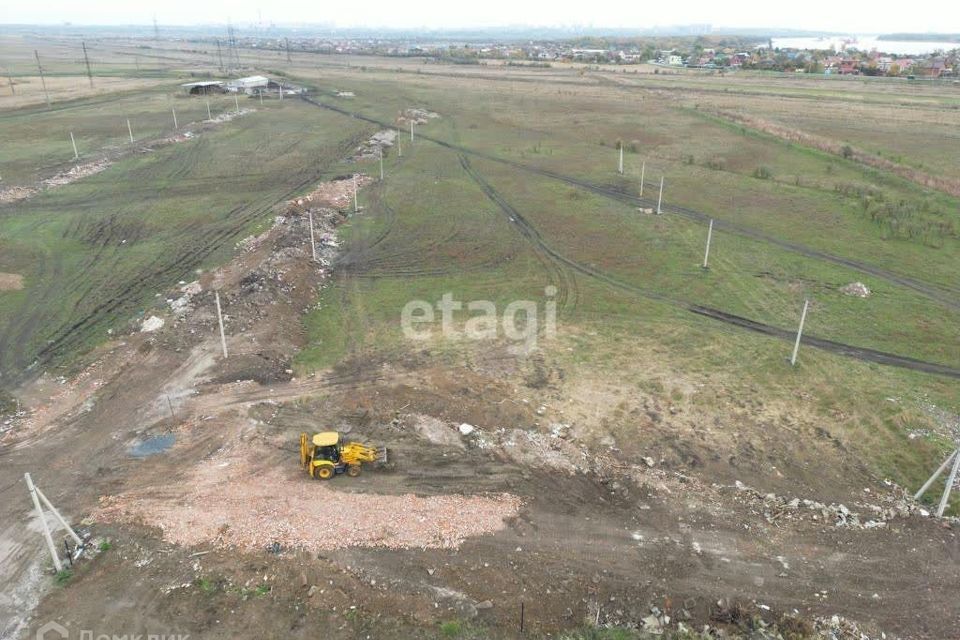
(203, 88)
(933, 68)
(250, 84)
(849, 67)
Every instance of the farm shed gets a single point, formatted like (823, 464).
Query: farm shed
(250, 84)
(203, 88)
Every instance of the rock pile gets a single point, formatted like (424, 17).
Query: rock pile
(370, 149)
(774, 508)
(857, 289)
(417, 116)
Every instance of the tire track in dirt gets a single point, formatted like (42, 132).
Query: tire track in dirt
(944, 295)
(859, 353)
(557, 269)
(367, 258)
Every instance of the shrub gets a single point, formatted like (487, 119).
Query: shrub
(763, 173)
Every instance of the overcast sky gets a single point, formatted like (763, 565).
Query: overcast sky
(857, 17)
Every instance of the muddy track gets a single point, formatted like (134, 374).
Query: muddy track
(859, 353)
(947, 296)
(557, 269)
(369, 258)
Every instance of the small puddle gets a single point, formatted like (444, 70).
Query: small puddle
(152, 445)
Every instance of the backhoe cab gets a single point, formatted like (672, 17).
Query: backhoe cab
(324, 455)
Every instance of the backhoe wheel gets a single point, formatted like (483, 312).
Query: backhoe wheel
(353, 470)
(324, 473)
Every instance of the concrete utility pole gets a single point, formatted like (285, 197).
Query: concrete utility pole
(236, 102)
(260, 93)
(936, 474)
(620, 166)
(313, 243)
(76, 156)
(43, 81)
(955, 458)
(643, 170)
(37, 496)
(796, 346)
(175, 125)
(43, 522)
(399, 144)
(86, 59)
(220, 54)
(223, 336)
(130, 130)
(411, 132)
(355, 207)
(380, 149)
(706, 254)
(660, 197)
(209, 117)
(946, 491)
(280, 90)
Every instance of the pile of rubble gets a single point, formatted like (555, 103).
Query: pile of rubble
(774, 508)
(76, 173)
(337, 194)
(857, 289)
(417, 116)
(737, 621)
(227, 116)
(251, 511)
(370, 149)
(13, 194)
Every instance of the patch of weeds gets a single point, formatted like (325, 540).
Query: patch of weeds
(792, 628)
(263, 590)
(205, 585)
(763, 173)
(104, 546)
(63, 576)
(462, 630)
(8, 404)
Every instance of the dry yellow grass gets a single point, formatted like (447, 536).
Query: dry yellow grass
(29, 90)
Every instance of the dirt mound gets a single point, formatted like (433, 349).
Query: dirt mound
(253, 511)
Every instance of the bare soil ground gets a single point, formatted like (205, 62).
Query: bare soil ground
(11, 281)
(584, 512)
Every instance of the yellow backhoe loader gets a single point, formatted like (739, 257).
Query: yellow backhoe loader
(324, 455)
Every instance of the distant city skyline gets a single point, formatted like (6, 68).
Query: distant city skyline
(940, 16)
